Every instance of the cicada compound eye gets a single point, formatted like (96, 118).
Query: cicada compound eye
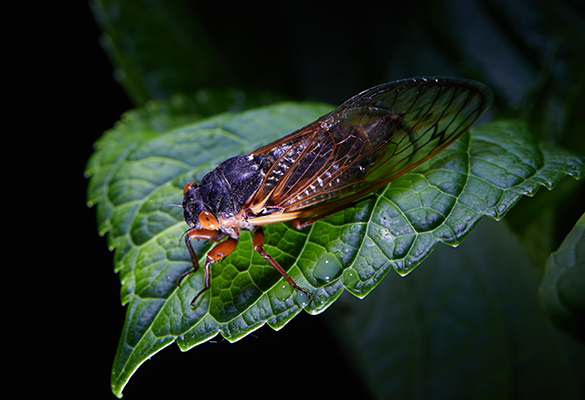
(186, 188)
(208, 221)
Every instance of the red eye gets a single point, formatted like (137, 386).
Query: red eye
(186, 188)
(208, 220)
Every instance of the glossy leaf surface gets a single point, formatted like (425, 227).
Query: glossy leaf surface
(483, 173)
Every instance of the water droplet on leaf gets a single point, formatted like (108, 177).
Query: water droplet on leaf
(350, 278)
(327, 268)
(283, 291)
(301, 299)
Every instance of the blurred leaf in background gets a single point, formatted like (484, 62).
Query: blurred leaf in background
(563, 285)
(158, 49)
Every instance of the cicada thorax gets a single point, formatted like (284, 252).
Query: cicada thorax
(225, 190)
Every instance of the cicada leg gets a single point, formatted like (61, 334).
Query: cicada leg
(258, 243)
(218, 252)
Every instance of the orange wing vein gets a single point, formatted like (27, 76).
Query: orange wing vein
(365, 143)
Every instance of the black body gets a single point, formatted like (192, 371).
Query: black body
(224, 190)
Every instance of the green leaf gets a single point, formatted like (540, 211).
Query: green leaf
(483, 173)
(562, 291)
(157, 48)
(468, 324)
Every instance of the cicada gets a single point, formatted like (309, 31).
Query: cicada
(328, 165)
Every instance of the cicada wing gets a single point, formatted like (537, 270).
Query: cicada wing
(369, 140)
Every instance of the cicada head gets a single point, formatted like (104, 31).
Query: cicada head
(197, 215)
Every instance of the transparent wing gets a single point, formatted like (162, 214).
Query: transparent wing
(369, 140)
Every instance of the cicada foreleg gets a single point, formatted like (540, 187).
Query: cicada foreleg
(258, 243)
(219, 251)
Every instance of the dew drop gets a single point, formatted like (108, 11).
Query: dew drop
(282, 291)
(327, 268)
(301, 299)
(350, 278)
